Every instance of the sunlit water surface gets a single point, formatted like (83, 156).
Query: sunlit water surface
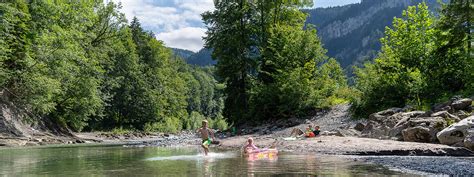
(156, 161)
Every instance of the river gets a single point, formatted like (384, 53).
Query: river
(103, 160)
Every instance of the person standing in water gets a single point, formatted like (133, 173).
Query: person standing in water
(207, 135)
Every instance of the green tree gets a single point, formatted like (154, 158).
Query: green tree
(15, 45)
(452, 67)
(396, 76)
(230, 35)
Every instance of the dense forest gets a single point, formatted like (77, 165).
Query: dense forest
(81, 65)
(84, 66)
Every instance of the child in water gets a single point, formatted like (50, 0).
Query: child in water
(250, 147)
(206, 135)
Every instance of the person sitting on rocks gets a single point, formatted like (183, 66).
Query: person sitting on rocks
(308, 133)
(316, 130)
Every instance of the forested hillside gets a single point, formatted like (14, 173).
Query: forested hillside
(81, 65)
(182, 53)
(200, 58)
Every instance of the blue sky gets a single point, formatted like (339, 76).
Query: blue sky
(178, 22)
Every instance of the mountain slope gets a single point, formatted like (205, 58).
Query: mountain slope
(182, 53)
(352, 33)
(201, 58)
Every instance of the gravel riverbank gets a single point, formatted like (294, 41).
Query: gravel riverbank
(452, 166)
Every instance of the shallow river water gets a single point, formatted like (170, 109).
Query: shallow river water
(156, 161)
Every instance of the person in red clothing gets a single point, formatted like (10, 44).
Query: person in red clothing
(299, 133)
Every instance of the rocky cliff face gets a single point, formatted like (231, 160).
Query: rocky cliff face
(351, 33)
(11, 117)
(343, 27)
(16, 130)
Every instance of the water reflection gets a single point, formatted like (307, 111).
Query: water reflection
(120, 161)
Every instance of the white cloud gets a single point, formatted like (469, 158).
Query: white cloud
(176, 22)
(189, 38)
(332, 3)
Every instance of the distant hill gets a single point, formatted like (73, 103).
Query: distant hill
(200, 58)
(182, 53)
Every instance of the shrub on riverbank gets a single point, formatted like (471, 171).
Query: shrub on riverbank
(424, 60)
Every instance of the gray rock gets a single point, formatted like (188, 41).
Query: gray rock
(442, 106)
(461, 114)
(31, 144)
(446, 115)
(438, 123)
(332, 133)
(359, 126)
(469, 141)
(456, 132)
(349, 132)
(418, 134)
(380, 116)
(461, 104)
(413, 114)
(432, 124)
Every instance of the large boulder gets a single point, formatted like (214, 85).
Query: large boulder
(418, 134)
(446, 106)
(461, 114)
(469, 140)
(461, 104)
(456, 132)
(394, 119)
(423, 129)
(446, 115)
(375, 130)
(382, 115)
(432, 124)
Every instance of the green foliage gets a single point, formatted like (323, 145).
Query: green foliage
(219, 123)
(422, 60)
(120, 131)
(451, 68)
(80, 65)
(395, 78)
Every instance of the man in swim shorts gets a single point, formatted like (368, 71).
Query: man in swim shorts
(206, 135)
